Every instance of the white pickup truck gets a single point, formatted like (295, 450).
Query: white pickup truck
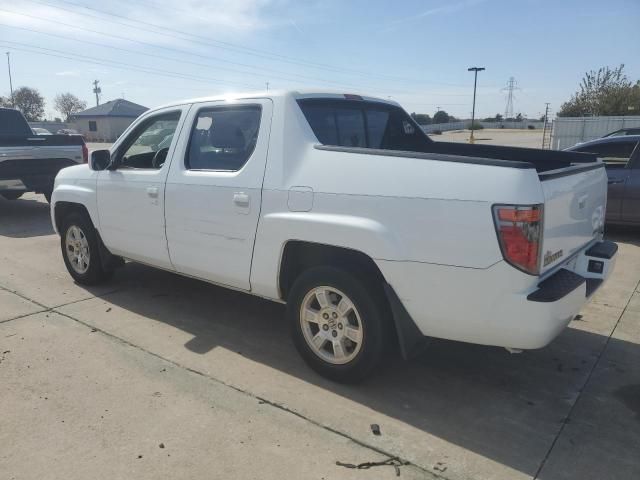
(340, 206)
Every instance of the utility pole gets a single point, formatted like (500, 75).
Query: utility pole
(546, 131)
(97, 90)
(267, 84)
(475, 70)
(10, 80)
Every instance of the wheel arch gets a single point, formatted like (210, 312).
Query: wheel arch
(300, 255)
(63, 208)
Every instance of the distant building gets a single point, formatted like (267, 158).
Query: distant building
(106, 122)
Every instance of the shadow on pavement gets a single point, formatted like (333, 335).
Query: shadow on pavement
(25, 217)
(504, 407)
(508, 408)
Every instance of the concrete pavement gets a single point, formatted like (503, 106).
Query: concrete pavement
(459, 412)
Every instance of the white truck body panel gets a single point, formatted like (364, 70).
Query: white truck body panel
(427, 223)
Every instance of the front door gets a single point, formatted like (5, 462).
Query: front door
(616, 155)
(131, 196)
(631, 201)
(214, 190)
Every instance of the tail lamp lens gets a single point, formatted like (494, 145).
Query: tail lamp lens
(519, 231)
(85, 153)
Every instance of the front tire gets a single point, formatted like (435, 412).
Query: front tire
(81, 251)
(338, 323)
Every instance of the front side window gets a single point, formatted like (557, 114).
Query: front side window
(147, 146)
(223, 138)
(349, 123)
(614, 153)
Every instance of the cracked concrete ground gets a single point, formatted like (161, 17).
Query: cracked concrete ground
(93, 382)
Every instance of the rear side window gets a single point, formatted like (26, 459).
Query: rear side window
(223, 138)
(355, 123)
(614, 153)
(12, 123)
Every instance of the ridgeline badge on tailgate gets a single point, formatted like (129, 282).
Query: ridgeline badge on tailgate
(552, 257)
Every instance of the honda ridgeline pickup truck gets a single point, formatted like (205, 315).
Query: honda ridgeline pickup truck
(30, 162)
(341, 207)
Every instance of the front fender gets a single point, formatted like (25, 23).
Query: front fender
(79, 191)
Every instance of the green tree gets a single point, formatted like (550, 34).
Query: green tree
(603, 92)
(441, 117)
(68, 104)
(29, 102)
(421, 118)
(497, 118)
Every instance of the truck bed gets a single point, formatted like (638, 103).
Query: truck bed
(542, 160)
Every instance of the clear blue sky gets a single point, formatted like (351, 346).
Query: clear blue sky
(416, 52)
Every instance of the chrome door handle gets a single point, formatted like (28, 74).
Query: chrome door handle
(152, 192)
(241, 199)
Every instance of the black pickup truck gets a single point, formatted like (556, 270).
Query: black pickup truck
(29, 162)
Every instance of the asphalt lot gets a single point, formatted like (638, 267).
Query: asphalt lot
(158, 376)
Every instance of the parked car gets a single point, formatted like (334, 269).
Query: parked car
(40, 131)
(341, 206)
(155, 137)
(621, 155)
(30, 162)
(67, 131)
(623, 132)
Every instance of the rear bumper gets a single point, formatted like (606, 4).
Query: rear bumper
(499, 305)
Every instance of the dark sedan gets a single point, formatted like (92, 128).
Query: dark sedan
(622, 157)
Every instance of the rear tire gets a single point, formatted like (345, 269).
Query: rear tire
(81, 250)
(338, 323)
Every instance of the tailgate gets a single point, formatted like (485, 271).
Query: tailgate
(574, 208)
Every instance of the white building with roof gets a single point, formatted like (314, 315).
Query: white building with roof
(106, 122)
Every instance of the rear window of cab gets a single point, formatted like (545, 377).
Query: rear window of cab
(364, 124)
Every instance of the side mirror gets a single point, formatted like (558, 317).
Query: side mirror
(99, 160)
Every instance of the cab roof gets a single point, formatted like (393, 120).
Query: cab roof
(294, 94)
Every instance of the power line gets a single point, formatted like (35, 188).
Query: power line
(113, 63)
(221, 44)
(182, 52)
(147, 54)
(226, 45)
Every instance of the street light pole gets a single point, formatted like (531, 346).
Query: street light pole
(10, 81)
(473, 111)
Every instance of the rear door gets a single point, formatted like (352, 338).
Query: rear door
(631, 201)
(214, 190)
(616, 156)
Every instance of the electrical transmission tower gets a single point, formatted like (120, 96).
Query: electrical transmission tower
(512, 85)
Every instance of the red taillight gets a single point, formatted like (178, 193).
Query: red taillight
(519, 233)
(85, 153)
